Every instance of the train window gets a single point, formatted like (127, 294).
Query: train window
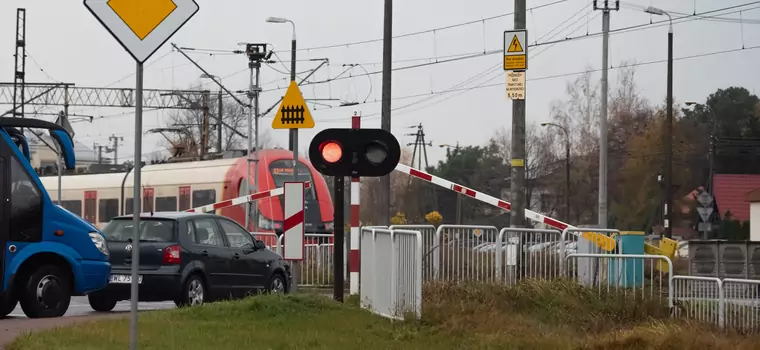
(203, 197)
(73, 206)
(26, 205)
(128, 206)
(108, 209)
(282, 172)
(184, 198)
(90, 206)
(166, 204)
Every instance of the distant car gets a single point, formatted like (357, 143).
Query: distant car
(188, 258)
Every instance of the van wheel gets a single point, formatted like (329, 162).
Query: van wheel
(7, 305)
(46, 293)
(101, 302)
(193, 292)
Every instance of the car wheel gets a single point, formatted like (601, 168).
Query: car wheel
(7, 305)
(101, 302)
(46, 293)
(193, 292)
(277, 285)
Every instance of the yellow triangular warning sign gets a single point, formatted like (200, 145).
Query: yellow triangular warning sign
(515, 45)
(293, 112)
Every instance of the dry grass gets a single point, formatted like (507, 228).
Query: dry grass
(563, 315)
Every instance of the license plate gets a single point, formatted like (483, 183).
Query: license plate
(124, 279)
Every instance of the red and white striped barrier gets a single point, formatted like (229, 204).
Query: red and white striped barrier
(532, 215)
(241, 200)
(294, 221)
(354, 255)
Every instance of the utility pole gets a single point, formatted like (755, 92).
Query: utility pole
(384, 195)
(517, 214)
(256, 53)
(19, 76)
(115, 139)
(602, 208)
(219, 126)
(205, 128)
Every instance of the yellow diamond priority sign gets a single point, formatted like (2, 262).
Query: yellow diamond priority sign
(293, 112)
(142, 26)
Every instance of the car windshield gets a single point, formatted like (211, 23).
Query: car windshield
(282, 172)
(150, 230)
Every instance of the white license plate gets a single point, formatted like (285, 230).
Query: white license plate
(124, 279)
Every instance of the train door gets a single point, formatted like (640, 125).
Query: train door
(91, 206)
(148, 194)
(184, 198)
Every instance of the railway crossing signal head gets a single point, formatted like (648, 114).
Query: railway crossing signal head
(354, 152)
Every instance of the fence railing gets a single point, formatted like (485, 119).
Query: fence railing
(316, 269)
(698, 298)
(527, 253)
(391, 272)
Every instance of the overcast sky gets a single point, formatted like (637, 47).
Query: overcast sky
(66, 43)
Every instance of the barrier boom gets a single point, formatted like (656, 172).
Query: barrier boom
(242, 200)
(504, 205)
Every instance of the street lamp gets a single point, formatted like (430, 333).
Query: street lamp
(459, 195)
(668, 125)
(567, 167)
(219, 147)
(293, 142)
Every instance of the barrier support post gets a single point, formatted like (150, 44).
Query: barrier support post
(353, 257)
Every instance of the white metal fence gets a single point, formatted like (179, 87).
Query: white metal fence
(316, 269)
(391, 272)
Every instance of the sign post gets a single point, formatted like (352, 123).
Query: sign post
(706, 200)
(294, 227)
(141, 27)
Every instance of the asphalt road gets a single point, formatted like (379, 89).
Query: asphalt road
(80, 307)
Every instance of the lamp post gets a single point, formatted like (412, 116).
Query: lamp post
(668, 125)
(219, 147)
(567, 167)
(293, 132)
(459, 195)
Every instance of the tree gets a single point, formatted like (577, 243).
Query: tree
(187, 138)
(732, 116)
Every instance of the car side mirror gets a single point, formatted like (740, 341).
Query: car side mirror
(248, 248)
(259, 245)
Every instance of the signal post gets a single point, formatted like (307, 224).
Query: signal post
(351, 153)
(294, 114)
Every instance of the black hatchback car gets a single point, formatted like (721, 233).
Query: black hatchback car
(189, 258)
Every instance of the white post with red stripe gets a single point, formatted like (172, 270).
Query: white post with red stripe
(353, 257)
(294, 228)
(294, 221)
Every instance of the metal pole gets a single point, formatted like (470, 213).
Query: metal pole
(251, 94)
(339, 240)
(517, 215)
(256, 93)
(602, 209)
(136, 209)
(669, 141)
(294, 136)
(384, 195)
(567, 178)
(219, 126)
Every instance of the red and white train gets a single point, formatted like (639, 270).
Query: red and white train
(181, 186)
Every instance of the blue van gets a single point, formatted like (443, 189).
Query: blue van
(49, 254)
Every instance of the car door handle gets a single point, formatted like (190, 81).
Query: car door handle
(236, 256)
(204, 253)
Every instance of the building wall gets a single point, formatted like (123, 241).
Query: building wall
(754, 222)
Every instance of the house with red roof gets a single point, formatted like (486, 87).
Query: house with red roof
(730, 192)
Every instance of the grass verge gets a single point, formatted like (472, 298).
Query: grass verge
(531, 315)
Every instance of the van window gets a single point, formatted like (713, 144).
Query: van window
(26, 205)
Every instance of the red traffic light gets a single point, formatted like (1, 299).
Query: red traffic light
(331, 151)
